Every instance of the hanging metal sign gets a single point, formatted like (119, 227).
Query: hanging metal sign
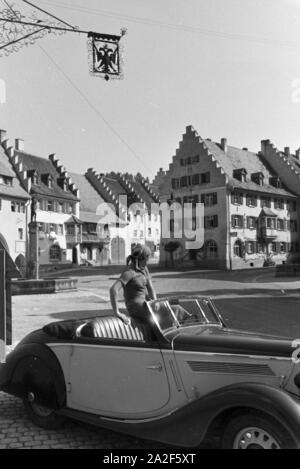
(105, 56)
(105, 50)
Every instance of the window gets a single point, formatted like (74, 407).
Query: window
(260, 247)
(8, 181)
(205, 178)
(237, 221)
(258, 178)
(211, 248)
(175, 183)
(55, 253)
(265, 202)
(209, 199)
(71, 230)
(251, 223)
(293, 225)
(195, 179)
(50, 182)
(240, 174)
(35, 179)
(49, 205)
(273, 247)
(238, 248)
(280, 225)
(20, 207)
(60, 207)
(250, 247)
(282, 248)
(279, 204)
(251, 200)
(20, 233)
(183, 181)
(271, 223)
(236, 198)
(13, 206)
(211, 221)
(141, 234)
(149, 232)
(195, 159)
(135, 233)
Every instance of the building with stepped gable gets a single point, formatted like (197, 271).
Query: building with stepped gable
(134, 203)
(14, 206)
(251, 209)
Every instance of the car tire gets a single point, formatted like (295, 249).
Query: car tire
(256, 431)
(42, 416)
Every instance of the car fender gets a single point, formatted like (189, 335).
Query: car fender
(34, 368)
(188, 426)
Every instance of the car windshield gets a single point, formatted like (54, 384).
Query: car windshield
(175, 313)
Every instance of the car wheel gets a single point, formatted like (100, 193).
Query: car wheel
(251, 431)
(42, 416)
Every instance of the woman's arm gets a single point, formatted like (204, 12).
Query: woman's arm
(151, 290)
(114, 293)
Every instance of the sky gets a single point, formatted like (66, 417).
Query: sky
(229, 68)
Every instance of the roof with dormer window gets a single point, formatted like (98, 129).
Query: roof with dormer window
(6, 170)
(237, 158)
(44, 167)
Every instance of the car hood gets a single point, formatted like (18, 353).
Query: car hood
(231, 341)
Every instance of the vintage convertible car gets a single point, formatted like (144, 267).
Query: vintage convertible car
(179, 378)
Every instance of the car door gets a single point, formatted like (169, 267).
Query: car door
(118, 378)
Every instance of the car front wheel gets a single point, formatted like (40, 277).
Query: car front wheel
(250, 431)
(42, 416)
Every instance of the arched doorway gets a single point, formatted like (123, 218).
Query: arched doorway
(3, 243)
(118, 250)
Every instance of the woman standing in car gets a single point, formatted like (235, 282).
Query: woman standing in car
(137, 287)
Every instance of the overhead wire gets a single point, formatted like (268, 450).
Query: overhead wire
(173, 26)
(87, 100)
(94, 108)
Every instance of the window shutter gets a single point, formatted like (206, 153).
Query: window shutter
(215, 221)
(255, 247)
(215, 198)
(248, 222)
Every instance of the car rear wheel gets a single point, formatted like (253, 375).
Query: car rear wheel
(250, 431)
(42, 416)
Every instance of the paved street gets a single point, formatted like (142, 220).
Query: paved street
(253, 300)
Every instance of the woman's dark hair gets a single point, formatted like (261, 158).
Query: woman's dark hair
(139, 253)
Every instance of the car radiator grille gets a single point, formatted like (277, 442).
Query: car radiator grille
(230, 368)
